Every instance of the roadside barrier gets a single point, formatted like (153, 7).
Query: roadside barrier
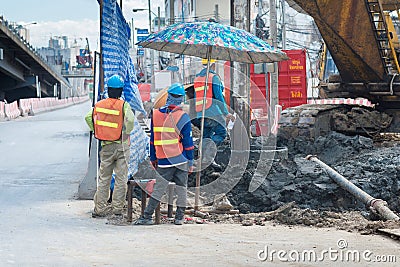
(12, 110)
(2, 111)
(25, 106)
(38, 105)
(80, 99)
(347, 101)
(32, 106)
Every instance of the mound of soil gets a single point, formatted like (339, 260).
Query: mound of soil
(375, 168)
(291, 214)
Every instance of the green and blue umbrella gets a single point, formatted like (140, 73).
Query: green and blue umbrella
(226, 43)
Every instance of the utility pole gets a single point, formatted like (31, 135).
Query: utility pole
(183, 56)
(241, 78)
(159, 18)
(159, 29)
(274, 94)
(171, 12)
(231, 72)
(216, 14)
(133, 34)
(273, 22)
(101, 52)
(172, 21)
(265, 65)
(283, 25)
(260, 7)
(149, 7)
(152, 86)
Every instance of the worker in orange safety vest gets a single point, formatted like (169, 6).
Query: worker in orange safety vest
(171, 153)
(112, 121)
(216, 113)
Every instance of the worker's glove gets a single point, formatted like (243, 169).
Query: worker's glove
(154, 163)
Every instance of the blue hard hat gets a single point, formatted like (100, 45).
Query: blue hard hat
(176, 89)
(115, 81)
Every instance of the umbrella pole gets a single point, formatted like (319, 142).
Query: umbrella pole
(203, 112)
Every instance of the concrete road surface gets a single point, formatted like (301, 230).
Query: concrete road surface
(42, 160)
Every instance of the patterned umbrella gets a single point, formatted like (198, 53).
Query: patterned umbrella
(212, 40)
(227, 43)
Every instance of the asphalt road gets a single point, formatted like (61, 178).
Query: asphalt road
(42, 160)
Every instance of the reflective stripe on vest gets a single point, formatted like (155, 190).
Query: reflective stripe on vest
(164, 129)
(108, 111)
(165, 142)
(199, 84)
(167, 138)
(108, 119)
(107, 124)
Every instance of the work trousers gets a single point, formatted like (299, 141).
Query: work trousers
(179, 175)
(214, 128)
(113, 158)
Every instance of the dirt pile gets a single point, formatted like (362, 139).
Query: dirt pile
(375, 168)
(287, 214)
(291, 214)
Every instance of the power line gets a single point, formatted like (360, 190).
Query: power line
(302, 46)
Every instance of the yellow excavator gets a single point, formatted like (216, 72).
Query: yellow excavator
(362, 40)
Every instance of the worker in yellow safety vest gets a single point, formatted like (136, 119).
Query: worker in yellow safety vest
(171, 153)
(112, 121)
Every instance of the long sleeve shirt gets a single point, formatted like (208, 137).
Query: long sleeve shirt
(127, 128)
(218, 106)
(185, 128)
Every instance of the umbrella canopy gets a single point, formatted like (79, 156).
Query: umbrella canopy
(227, 42)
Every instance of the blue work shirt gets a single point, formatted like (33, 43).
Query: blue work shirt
(218, 106)
(185, 129)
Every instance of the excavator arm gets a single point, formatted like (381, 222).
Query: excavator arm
(351, 30)
(364, 45)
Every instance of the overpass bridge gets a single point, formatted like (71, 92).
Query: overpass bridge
(24, 73)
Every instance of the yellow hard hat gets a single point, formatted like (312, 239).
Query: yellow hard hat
(204, 61)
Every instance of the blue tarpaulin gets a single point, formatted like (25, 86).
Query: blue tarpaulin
(114, 40)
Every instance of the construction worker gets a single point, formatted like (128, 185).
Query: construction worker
(171, 153)
(112, 121)
(214, 120)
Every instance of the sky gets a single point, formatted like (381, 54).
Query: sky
(77, 19)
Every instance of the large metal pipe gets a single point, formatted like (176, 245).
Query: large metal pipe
(378, 206)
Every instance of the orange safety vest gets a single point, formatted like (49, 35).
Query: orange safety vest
(199, 83)
(167, 137)
(108, 118)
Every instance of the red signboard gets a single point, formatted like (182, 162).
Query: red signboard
(292, 81)
(292, 86)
